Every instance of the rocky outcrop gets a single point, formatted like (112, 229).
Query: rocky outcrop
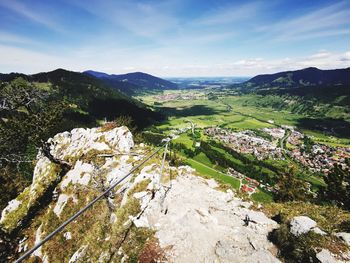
(72, 145)
(344, 236)
(324, 256)
(67, 147)
(190, 218)
(301, 225)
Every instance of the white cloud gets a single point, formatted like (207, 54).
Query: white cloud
(320, 55)
(346, 57)
(161, 62)
(255, 66)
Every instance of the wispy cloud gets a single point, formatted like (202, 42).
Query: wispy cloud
(327, 21)
(31, 14)
(346, 57)
(142, 19)
(255, 66)
(228, 14)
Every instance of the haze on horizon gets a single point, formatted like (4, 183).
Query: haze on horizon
(174, 37)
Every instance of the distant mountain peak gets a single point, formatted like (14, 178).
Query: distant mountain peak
(133, 81)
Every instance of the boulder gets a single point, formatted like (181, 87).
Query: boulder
(301, 225)
(212, 183)
(345, 236)
(324, 256)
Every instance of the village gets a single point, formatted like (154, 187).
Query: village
(319, 159)
(175, 96)
(247, 142)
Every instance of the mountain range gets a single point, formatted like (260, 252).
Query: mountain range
(132, 83)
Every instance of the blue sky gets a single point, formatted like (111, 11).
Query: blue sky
(175, 37)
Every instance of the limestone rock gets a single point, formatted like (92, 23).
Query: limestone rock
(345, 236)
(78, 254)
(201, 226)
(212, 183)
(61, 202)
(12, 205)
(68, 147)
(301, 225)
(68, 235)
(80, 141)
(324, 256)
(319, 231)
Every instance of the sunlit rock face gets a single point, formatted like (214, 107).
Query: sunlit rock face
(184, 218)
(68, 147)
(72, 145)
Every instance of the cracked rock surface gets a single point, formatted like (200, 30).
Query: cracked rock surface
(195, 223)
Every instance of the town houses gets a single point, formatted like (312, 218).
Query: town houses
(319, 158)
(175, 96)
(246, 142)
(275, 133)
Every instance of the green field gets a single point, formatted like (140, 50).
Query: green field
(202, 158)
(184, 139)
(262, 196)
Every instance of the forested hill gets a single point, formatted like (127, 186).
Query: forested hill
(304, 77)
(90, 99)
(320, 94)
(328, 86)
(131, 83)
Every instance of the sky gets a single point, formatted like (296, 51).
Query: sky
(174, 38)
